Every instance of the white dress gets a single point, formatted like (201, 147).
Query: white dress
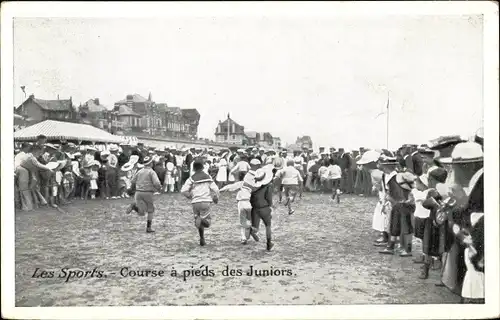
(473, 285)
(222, 173)
(379, 218)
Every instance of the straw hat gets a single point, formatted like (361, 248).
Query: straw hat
(89, 148)
(113, 148)
(263, 177)
(51, 146)
(255, 162)
(147, 160)
(105, 153)
(388, 161)
(133, 159)
(465, 152)
(369, 156)
(127, 167)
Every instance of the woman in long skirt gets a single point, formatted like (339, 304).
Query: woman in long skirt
(221, 177)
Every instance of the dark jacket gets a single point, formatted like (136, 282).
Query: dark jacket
(122, 159)
(262, 197)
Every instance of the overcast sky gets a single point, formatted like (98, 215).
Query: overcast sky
(327, 78)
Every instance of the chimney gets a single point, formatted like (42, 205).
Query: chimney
(57, 97)
(130, 97)
(96, 101)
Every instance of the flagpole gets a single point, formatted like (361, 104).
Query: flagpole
(387, 123)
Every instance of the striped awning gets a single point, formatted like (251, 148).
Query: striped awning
(59, 130)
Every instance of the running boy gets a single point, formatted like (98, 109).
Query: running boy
(202, 191)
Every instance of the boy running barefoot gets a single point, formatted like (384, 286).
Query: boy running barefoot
(202, 191)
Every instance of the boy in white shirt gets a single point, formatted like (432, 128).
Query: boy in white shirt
(290, 179)
(323, 176)
(334, 176)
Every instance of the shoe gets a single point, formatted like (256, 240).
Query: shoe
(244, 241)
(202, 242)
(387, 251)
(440, 284)
(287, 202)
(380, 240)
(269, 246)
(380, 244)
(404, 253)
(149, 230)
(291, 212)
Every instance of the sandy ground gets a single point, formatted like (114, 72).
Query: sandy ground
(326, 246)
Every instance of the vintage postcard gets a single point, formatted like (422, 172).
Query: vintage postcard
(227, 160)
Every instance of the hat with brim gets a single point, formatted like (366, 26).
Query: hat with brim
(105, 153)
(127, 167)
(270, 151)
(113, 148)
(255, 162)
(426, 151)
(465, 152)
(50, 146)
(445, 141)
(388, 161)
(263, 177)
(88, 164)
(91, 149)
(95, 163)
(147, 161)
(133, 159)
(369, 156)
(53, 165)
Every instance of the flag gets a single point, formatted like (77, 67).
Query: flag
(22, 88)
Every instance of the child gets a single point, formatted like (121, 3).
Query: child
(68, 181)
(94, 175)
(202, 191)
(291, 179)
(262, 202)
(145, 183)
(124, 182)
(334, 176)
(323, 176)
(170, 173)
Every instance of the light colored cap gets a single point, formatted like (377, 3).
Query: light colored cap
(465, 152)
(255, 162)
(369, 156)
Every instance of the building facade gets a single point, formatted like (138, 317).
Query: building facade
(229, 131)
(304, 142)
(260, 139)
(142, 115)
(35, 110)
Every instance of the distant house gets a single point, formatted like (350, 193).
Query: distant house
(130, 119)
(252, 137)
(192, 120)
(94, 113)
(229, 131)
(35, 110)
(261, 139)
(304, 142)
(145, 108)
